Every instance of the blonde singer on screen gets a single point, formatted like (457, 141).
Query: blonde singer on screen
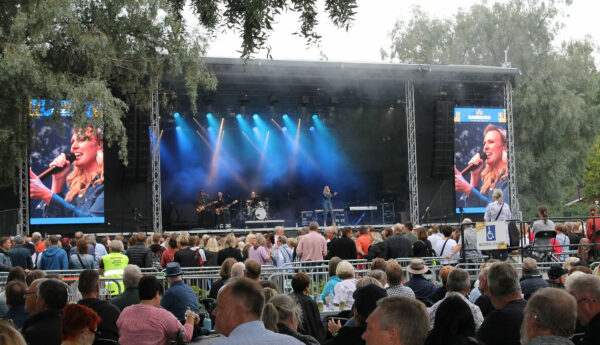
(84, 179)
(489, 176)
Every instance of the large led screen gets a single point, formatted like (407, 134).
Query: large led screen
(480, 157)
(66, 169)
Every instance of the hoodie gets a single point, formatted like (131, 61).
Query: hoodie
(54, 258)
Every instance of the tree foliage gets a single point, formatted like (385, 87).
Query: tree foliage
(591, 177)
(555, 99)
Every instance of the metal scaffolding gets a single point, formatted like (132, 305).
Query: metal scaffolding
(23, 215)
(155, 151)
(412, 152)
(512, 167)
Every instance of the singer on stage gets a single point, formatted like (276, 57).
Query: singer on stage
(328, 205)
(84, 179)
(485, 175)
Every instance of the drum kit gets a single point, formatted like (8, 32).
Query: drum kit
(258, 210)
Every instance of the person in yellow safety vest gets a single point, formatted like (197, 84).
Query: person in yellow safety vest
(112, 266)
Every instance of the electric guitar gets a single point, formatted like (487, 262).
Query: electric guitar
(220, 209)
(201, 208)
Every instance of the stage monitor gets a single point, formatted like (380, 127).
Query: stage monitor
(480, 157)
(66, 168)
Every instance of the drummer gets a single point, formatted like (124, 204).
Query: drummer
(253, 201)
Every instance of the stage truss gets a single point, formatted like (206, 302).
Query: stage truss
(512, 167)
(155, 151)
(411, 137)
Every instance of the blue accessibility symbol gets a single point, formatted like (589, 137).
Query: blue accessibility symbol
(490, 232)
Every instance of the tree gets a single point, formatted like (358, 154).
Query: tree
(555, 99)
(114, 53)
(591, 177)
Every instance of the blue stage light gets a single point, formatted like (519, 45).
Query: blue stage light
(312, 128)
(239, 116)
(175, 115)
(209, 115)
(255, 116)
(178, 128)
(255, 129)
(315, 116)
(210, 128)
(285, 116)
(284, 129)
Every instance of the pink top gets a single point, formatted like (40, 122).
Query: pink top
(312, 247)
(259, 254)
(141, 324)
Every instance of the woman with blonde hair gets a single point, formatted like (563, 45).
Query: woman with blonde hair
(85, 182)
(328, 205)
(230, 250)
(9, 335)
(211, 251)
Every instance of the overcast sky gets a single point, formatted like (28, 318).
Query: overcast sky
(373, 22)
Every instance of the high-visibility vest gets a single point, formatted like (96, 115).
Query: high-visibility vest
(114, 264)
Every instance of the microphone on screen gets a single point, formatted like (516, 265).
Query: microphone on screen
(472, 167)
(53, 170)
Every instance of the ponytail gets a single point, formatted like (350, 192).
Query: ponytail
(543, 211)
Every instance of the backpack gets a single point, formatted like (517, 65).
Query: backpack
(199, 257)
(156, 256)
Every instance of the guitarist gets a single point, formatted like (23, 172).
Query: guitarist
(202, 203)
(222, 211)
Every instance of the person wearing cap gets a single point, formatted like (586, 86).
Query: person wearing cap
(557, 276)
(365, 301)
(178, 296)
(422, 287)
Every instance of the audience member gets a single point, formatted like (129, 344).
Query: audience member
(408, 232)
(211, 250)
(89, 287)
(15, 273)
(440, 292)
(532, 279)
(458, 285)
(446, 245)
(422, 247)
(399, 245)
(397, 320)
(454, 324)
(131, 278)
(311, 321)
(252, 269)
(378, 248)
(230, 251)
(185, 256)
(20, 255)
(178, 296)
(363, 242)
(169, 254)
(286, 315)
(586, 290)
(146, 323)
(53, 258)
(157, 250)
(81, 259)
(333, 278)
(139, 254)
(423, 288)
(284, 252)
(9, 335)
(225, 274)
(549, 318)
(238, 270)
(112, 266)
(378, 275)
(312, 246)
(394, 275)
(435, 235)
(15, 300)
(484, 302)
(257, 252)
(557, 276)
(344, 247)
(45, 300)
(343, 290)
(470, 241)
(239, 308)
(5, 261)
(502, 325)
(79, 325)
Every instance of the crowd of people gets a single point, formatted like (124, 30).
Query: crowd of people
(383, 304)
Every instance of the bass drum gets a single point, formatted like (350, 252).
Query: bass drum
(260, 213)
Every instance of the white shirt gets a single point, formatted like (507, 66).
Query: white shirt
(343, 292)
(448, 248)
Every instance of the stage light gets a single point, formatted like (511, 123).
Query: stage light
(210, 128)
(255, 129)
(255, 116)
(312, 128)
(209, 115)
(239, 116)
(284, 129)
(176, 115)
(178, 128)
(315, 116)
(285, 116)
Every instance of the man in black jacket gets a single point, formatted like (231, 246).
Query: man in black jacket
(45, 300)
(398, 245)
(19, 255)
(89, 287)
(311, 323)
(532, 280)
(139, 254)
(586, 290)
(344, 248)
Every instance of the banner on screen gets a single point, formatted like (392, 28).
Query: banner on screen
(480, 157)
(75, 193)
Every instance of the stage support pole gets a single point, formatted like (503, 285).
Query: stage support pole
(512, 167)
(23, 214)
(155, 151)
(412, 152)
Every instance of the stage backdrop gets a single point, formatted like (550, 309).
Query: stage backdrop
(479, 137)
(51, 139)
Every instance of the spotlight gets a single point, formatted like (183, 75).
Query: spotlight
(285, 116)
(255, 116)
(178, 128)
(209, 115)
(255, 129)
(284, 129)
(315, 116)
(210, 129)
(175, 114)
(312, 128)
(239, 116)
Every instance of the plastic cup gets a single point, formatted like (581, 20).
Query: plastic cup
(320, 305)
(342, 305)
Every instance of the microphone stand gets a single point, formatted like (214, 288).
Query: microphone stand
(426, 213)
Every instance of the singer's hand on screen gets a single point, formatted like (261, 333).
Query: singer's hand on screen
(61, 161)
(460, 184)
(476, 160)
(37, 190)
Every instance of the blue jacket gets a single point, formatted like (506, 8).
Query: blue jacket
(330, 287)
(177, 298)
(54, 258)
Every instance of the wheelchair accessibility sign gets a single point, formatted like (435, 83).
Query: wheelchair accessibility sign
(492, 235)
